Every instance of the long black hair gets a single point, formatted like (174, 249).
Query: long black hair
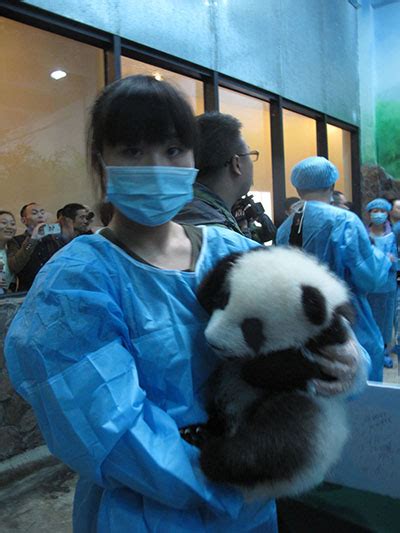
(138, 109)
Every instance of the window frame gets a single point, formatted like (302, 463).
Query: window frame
(114, 47)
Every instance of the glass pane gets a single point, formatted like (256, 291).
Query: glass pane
(339, 150)
(191, 88)
(300, 141)
(254, 115)
(43, 120)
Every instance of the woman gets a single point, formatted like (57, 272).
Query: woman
(383, 303)
(8, 228)
(117, 360)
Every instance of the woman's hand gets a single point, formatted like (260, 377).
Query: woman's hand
(339, 361)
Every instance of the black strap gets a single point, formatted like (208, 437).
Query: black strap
(296, 230)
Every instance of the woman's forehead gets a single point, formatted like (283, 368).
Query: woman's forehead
(170, 138)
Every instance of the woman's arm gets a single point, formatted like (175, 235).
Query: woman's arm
(69, 354)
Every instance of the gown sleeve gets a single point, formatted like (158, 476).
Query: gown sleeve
(68, 354)
(368, 267)
(394, 252)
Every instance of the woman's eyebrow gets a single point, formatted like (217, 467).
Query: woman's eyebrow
(173, 139)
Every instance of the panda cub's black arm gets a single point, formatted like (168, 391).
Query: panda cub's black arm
(281, 371)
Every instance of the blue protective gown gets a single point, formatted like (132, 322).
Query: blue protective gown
(383, 301)
(338, 238)
(111, 354)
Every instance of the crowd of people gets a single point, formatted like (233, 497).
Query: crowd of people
(22, 256)
(221, 198)
(118, 362)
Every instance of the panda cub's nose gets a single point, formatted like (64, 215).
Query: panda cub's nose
(253, 334)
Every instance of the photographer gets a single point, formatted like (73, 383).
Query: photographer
(28, 252)
(225, 165)
(75, 220)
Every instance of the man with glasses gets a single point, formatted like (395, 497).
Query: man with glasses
(225, 164)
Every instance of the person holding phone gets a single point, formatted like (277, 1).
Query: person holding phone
(109, 346)
(28, 252)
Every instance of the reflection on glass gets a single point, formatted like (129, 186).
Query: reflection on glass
(339, 150)
(300, 141)
(254, 115)
(191, 88)
(43, 117)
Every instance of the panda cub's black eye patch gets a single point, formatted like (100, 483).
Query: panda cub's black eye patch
(314, 305)
(223, 300)
(253, 333)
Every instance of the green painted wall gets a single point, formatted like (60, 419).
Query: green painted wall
(387, 86)
(387, 117)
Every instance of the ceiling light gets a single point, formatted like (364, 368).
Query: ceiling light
(58, 74)
(157, 76)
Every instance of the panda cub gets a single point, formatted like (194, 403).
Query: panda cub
(267, 432)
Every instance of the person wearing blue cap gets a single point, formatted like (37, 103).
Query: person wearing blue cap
(383, 302)
(338, 238)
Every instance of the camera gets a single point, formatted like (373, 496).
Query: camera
(253, 212)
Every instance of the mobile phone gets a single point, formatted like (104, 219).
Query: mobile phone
(51, 229)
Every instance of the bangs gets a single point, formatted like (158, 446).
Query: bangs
(141, 109)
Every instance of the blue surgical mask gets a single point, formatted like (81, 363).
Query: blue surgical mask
(150, 196)
(378, 218)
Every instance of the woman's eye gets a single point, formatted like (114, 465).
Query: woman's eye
(174, 150)
(132, 152)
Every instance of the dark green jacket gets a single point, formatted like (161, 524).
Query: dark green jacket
(207, 208)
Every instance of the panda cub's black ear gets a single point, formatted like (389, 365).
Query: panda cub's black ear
(212, 291)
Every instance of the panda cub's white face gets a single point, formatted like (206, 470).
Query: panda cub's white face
(277, 299)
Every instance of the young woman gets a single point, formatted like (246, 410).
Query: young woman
(383, 303)
(8, 228)
(118, 363)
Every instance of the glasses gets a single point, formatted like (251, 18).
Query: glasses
(254, 155)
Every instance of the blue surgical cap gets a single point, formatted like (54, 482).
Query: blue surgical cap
(379, 203)
(314, 173)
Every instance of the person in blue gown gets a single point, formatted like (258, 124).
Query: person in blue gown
(109, 345)
(383, 301)
(339, 239)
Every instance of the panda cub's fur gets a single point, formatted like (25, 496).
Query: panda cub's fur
(271, 308)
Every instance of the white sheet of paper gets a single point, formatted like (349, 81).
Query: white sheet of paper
(371, 458)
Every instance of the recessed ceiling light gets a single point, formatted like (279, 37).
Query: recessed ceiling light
(157, 76)
(58, 74)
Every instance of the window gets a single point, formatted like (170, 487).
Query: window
(339, 150)
(253, 113)
(300, 140)
(43, 120)
(191, 88)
